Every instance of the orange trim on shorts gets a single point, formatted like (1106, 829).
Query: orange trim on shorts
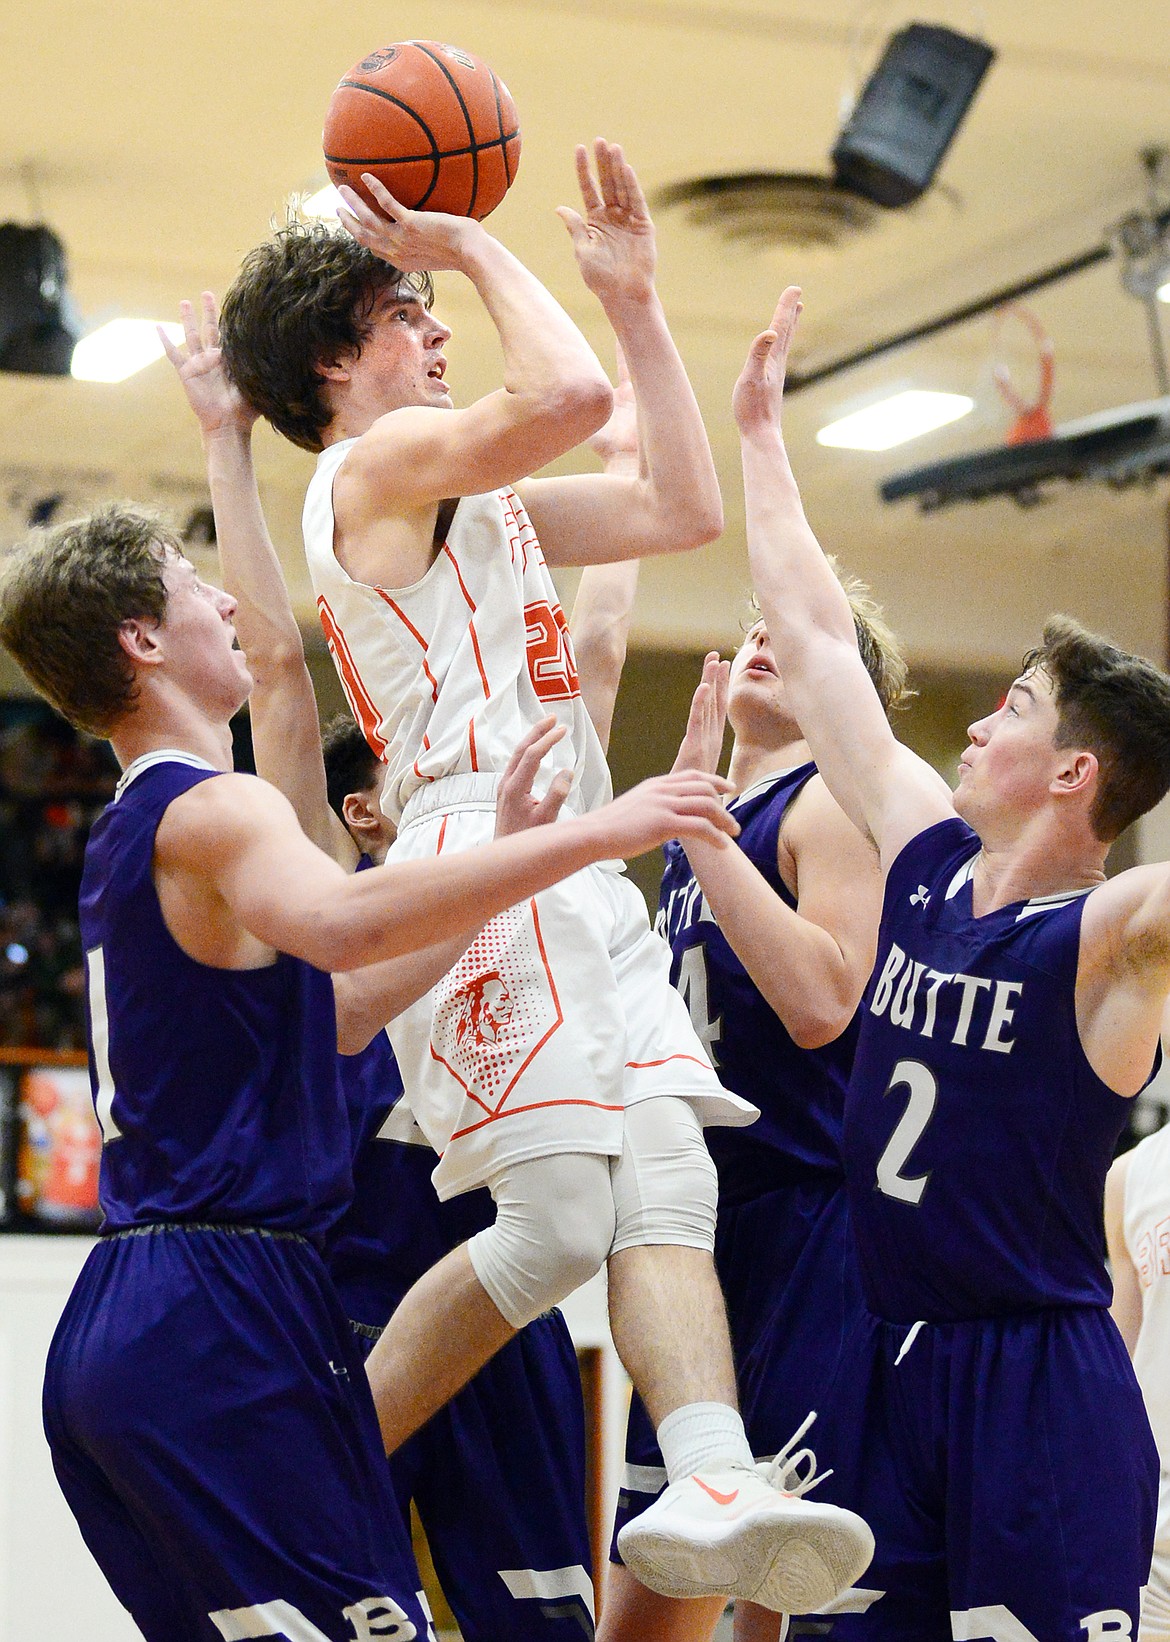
(361, 703)
(537, 1106)
(414, 633)
(442, 834)
(645, 1065)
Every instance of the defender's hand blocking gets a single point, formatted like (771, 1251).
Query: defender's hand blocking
(212, 395)
(702, 744)
(516, 806)
(684, 804)
(414, 241)
(759, 393)
(614, 241)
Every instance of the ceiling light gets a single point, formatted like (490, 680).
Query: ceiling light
(119, 349)
(895, 420)
(321, 206)
(1164, 292)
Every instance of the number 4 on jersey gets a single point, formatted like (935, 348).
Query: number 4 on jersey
(692, 983)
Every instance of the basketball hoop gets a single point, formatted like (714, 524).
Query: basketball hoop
(1033, 417)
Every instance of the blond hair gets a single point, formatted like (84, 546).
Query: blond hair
(880, 650)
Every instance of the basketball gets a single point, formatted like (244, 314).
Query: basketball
(432, 122)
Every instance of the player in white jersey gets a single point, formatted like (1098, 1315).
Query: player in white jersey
(554, 1063)
(1137, 1226)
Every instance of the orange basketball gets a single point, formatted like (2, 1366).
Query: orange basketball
(431, 122)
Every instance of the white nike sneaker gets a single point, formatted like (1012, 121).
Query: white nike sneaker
(747, 1533)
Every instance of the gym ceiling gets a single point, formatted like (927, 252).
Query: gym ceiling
(160, 138)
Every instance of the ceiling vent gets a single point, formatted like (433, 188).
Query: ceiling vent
(774, 208)
(885, 156)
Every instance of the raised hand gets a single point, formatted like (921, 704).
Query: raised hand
(757, 396)
(702, 743)
(614, 240)
(213, 396)
(414, 241)
(685, 804)
(617, 442)
(516, 807)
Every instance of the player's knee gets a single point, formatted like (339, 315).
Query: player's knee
(580, 1236)
(665, 1186)
(553, 1229)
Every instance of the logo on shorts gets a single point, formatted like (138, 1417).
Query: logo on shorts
(377, 60)
(496, 1009)
(485, 1006)
(921, 896)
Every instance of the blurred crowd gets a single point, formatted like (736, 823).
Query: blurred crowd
(53, 785)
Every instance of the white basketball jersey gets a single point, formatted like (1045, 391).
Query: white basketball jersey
(1146, 1226)
(444, 677)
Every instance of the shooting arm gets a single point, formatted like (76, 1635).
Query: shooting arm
(555, 392)
(672, 502)
(600, 623)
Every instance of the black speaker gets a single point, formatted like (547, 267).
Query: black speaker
(912, 105)
(37, 335)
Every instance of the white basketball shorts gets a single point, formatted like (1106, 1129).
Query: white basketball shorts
(558, 1016)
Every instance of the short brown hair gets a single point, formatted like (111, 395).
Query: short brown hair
(65, 593)
(1116, 706)
(302, 300)
(881, 650)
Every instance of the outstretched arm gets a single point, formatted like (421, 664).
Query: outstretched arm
(810, 963)
(673, 502)
(600, 623)
(286, 733)
(882, 786)
(230, 856)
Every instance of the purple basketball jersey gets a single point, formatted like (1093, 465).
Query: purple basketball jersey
(977, 1135)
(216, 1089)
(800, 1092)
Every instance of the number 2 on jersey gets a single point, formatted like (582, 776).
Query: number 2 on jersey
(923, 1087)
(692, 983)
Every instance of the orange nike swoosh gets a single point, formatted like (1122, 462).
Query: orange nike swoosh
(720, 1499)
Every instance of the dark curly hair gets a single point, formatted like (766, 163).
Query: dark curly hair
(302, 300)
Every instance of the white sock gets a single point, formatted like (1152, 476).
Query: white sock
(702, 1437)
